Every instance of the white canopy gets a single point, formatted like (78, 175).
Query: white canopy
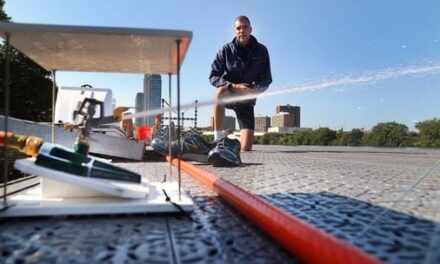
(99, 49)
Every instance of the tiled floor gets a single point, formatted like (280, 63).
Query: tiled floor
(385, 201)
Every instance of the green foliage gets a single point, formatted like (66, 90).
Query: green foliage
(268, 139)
(30, 89)
(390, 134)
(13, 154)
(323, 136)
(208, 138)
(3, 16)
(429, 131)
(367, 139)
(355, 137)
(411, 140)
(341, 138)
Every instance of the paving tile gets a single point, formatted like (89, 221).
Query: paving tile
(385, 201)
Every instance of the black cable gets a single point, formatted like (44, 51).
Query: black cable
(168, 199)
(164, 178)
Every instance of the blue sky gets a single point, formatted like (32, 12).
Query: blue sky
(308, 42)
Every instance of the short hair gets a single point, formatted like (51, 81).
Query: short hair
(241, 18)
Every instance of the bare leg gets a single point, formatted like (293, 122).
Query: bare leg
(246, 139)
(219, 109)
(219, 114)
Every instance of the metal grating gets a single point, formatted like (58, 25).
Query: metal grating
(215, 234)
(385, 201)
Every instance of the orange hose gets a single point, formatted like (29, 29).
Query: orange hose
(305, 241)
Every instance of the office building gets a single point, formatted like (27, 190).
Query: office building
(152, 95)
(140, 121)
(283, 119)
(293, 110)
(262, 123)
(228, 122)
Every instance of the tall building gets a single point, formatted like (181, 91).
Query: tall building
(152, 95)
(283, 119)
(228, 122)
(293, 110)
(140, 121)
(262, 123)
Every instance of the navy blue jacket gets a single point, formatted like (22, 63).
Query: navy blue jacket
(229, 67)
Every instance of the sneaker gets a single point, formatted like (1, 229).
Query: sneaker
(161, 145)
(160, 141)
(226, 153)
(163, 132)
(195, 147)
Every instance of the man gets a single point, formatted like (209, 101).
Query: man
(241, 68)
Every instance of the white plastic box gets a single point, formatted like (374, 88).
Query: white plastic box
(70, 98)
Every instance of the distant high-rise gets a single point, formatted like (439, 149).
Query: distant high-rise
(228, 122)
(283, 119)
(140, 121)
(262, 123)
(293, 110)
(152, 95)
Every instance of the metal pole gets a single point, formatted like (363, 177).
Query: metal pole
(53, 105)
(162, 105)
(178, 41)
(183, 120)
(6, 106)
(195, 114)
(170, 133)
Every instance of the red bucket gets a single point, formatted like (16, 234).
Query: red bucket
(143, 133)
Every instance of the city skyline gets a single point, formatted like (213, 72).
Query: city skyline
(152, 95)
(309, 42)
(149, 99)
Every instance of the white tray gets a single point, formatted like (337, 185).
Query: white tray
(63, 194)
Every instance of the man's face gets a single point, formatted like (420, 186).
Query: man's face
(242, 31)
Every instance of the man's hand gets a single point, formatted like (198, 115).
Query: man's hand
(244, 88)
(236, 89)
(222, 92)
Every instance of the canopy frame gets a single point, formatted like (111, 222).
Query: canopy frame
(94, 49)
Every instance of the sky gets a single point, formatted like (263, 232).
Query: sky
(308, 41)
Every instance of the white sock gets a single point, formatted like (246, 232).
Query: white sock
(217, 134)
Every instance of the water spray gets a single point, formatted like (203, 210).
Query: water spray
(363, 79)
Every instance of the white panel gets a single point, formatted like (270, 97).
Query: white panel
(99, 49)
(30, 203)
(110, 187)
(69, 98)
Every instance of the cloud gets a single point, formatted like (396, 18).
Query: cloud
(403, 46)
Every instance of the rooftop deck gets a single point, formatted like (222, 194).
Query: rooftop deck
(384, 201)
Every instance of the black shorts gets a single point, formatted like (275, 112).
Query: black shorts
(245, 115)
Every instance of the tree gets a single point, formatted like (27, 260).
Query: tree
(3, 16)
(341, 138)
(429, 131)
(390, 134)
(30, 85)
(301, 138)
(323, 136)
(354, 138)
